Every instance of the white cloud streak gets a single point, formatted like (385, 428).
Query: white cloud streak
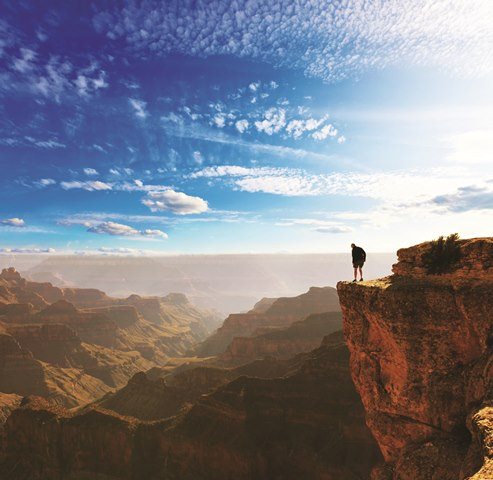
(89, 186)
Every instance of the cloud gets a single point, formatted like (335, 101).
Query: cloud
(242, 125)
(13, 222)
(209, 135)
(49, 144)
(197, 156)
(52, 76)
(466, 199)
(44, 182)
(297, 127)
(334, 229)
(89, 185)
(119, 229)
(175, 202)
(326, 39)
(317, 225)
(219, 120)
(154, 233)
(274, 120)
(25, 63)
(326, 131)
(396, 186)
(341, 140)
(26, 250)
(90, 171)
(86, 85)
(139, 107)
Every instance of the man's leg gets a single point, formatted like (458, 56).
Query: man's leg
(355, 273)
(361, 273)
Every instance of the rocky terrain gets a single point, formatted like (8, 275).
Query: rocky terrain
(422, 361)
(269, 314)
(307, 424)
(405, 392)
(301, 336)
(73, 345)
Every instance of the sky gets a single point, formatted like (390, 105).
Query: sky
(148, 127)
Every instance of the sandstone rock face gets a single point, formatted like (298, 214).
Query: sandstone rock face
(281, 312)
(308, 424)
(421, 360)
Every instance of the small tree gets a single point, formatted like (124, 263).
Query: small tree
(443, 255)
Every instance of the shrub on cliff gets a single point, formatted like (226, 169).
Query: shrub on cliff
(443, 254)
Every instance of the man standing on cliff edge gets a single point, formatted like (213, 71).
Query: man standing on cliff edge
(359, 258)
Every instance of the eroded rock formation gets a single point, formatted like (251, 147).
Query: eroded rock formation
(308, 424)
(300, 336)
(268, 313)
(73, 345)
(421, 359)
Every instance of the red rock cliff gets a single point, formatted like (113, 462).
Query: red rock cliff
(421, 360)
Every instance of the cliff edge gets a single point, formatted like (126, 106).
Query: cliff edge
(421, 358)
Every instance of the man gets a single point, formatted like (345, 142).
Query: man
(359, 258)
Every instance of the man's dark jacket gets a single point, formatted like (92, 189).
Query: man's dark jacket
(358, 254)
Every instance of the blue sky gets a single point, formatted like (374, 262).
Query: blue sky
(209, 127)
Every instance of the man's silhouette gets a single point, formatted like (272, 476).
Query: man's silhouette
(359, 258)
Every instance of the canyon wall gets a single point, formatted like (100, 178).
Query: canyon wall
(421, 359)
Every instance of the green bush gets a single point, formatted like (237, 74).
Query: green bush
(443, 255)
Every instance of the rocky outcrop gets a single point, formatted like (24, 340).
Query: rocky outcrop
(301, 336)
(307, 425)
(421, 359)
(280, 313)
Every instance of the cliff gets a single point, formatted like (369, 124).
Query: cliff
(421, 359)
(308, 424)
(269, 313)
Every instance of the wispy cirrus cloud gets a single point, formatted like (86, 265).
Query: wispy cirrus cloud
(317, 225)
(139, 107)
(90, 186)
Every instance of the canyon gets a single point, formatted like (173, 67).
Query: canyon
(387, 379)
(73, 345)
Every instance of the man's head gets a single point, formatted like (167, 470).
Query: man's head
(352, 245)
